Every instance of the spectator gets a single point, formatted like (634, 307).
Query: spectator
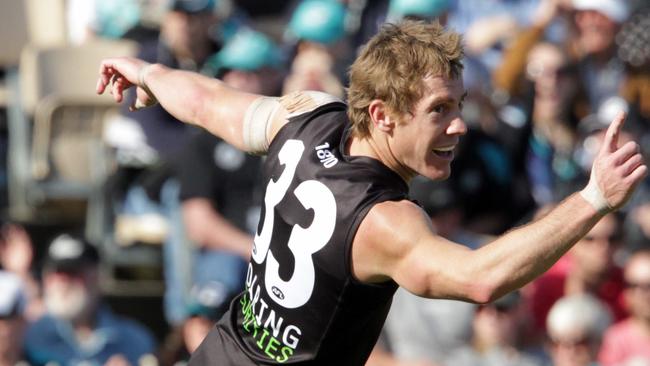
(443, 203)
(601, 71)
(150, 189)
(16, 256)
(249, 61)
(588, 268)
(184, 43)
(317, 31)
(12, 319)
(78, 327)
(207, 304)
(628, 342)
(497, 330)
(575, 327)
(219, 192)
(422, 332)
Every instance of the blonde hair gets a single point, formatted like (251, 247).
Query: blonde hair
(392, 65)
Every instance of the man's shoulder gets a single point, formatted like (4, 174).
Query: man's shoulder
(44, 326)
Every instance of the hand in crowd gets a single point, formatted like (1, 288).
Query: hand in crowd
(16, 252)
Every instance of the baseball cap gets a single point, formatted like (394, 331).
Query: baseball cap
(427, 9)
(69, 253)
(193, 6)
(208, 300)
(247, 50)
(12, 295)
(321, 21)
(617, 10)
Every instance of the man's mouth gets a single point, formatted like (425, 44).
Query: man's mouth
(444, 152)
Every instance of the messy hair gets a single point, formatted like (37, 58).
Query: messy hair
(392, 65)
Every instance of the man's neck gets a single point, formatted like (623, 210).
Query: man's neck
(377, 148)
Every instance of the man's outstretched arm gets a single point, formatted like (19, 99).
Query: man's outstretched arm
(430, 266)
(189, 97)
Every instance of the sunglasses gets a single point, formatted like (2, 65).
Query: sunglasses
(571, 343)
(645, 286)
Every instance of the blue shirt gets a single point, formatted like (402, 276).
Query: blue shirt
(53, 340)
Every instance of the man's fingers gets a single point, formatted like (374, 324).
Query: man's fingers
(106, 72)
(613, 131)
(632, 163)
(625, 152)
(638, 174)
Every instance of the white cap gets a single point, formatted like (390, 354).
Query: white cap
(617, 10)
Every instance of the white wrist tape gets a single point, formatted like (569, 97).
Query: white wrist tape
(143, 84)
(257, 124)
(592, 194)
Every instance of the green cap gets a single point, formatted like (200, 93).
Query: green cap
(247, 50)
(399, 9)
(321, 21)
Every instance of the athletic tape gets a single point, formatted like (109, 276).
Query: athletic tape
(257, 124)
(143, 84)
(592, 194)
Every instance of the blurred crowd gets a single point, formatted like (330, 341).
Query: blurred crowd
(544, 78)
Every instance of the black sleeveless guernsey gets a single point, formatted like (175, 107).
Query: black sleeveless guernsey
(301, 305)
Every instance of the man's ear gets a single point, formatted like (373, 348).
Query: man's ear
(380, 117)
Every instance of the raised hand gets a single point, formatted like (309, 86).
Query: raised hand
(16, 251)
(120, 74)
(616, 170)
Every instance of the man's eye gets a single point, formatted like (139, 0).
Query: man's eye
(440, 108)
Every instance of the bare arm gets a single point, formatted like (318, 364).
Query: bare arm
(431, 266)
(195, 99)
(189, 97)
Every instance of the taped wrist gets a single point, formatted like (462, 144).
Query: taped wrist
(143, 84)
(592, 194)
(257, 124)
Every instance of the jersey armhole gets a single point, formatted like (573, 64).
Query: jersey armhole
(349, 241)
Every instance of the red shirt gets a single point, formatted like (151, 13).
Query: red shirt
(549, 288)
(623, 343)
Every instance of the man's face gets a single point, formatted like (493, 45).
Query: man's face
(637, 292)
(423, 141)
(596, 31)
(185, 32)
(572, 349)
(67, 294)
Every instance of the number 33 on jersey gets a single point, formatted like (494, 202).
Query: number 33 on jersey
(303, 242)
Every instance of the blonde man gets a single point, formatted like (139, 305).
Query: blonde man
(338, 233)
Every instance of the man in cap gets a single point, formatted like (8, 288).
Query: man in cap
(338, 233)
(575, 326)
(78, 328)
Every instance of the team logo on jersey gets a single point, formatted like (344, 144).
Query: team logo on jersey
(276, 291)
(325, 155)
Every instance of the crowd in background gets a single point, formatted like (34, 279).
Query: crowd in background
(544, 78)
